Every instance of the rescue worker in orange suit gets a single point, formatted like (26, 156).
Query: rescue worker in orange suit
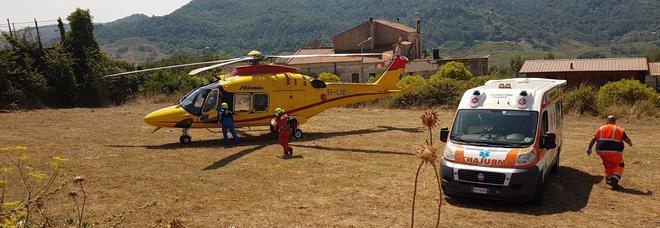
(609, 140)
(284, 131)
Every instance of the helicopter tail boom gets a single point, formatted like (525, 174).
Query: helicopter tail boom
(391, 76)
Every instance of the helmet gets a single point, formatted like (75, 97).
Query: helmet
(224, 105)
(279, 111)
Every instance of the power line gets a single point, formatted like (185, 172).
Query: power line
(32, 22)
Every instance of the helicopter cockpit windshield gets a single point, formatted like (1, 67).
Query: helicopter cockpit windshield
(200, 101)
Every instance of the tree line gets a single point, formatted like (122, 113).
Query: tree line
(70, 72)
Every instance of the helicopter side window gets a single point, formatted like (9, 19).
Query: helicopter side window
(211, 101)
(260, 102)
(242, 102)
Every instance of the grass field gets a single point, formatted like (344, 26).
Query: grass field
(355, 168)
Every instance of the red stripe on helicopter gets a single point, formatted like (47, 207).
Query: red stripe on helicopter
(398, 63)
(308, 106)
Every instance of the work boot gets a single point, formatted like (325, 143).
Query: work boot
(613, 181)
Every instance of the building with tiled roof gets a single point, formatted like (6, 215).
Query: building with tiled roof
(595, 72)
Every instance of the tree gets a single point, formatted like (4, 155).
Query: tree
(85, 52)
(19, 79)
(549, 56)
(653, 55)
(329, 77)
(516, 63)
(454, 70)
(591, 55)
(60, 77)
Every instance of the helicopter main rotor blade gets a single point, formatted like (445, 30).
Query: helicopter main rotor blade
(169, 67)
(323, 55)
(235, 60)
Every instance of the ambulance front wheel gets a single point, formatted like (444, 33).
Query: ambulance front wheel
(538, 195)
(298, 134)
(185, 139)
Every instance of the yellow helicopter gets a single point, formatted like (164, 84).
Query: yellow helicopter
(254, 91)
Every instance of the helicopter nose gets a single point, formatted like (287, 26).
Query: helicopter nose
(166, 117)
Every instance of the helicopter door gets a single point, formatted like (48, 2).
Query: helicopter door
(210, 109)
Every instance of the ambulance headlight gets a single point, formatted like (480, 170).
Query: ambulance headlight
(526, 158)
(448, 154)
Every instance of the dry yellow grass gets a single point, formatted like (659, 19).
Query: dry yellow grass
(356, 169)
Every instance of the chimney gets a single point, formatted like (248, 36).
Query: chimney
(572, 66)
(372, 42)
(436, 53)
(418, 42)
(398, 20)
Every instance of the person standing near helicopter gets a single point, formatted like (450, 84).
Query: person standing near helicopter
(226, 120)
(284, 131)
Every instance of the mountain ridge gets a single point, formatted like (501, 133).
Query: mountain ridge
(233, 27)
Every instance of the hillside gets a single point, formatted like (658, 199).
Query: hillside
(530, 27)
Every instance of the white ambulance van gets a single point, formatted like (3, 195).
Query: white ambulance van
(504, 141)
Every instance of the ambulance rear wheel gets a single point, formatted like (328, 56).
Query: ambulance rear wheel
(538, 196)
(298, 134)
(185, 139)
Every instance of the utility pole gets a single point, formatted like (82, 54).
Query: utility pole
(9, 25)
(60, 26)
(38, 35)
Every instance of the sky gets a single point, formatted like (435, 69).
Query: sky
(102, 10)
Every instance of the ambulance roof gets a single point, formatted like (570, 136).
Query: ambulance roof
(514, 93)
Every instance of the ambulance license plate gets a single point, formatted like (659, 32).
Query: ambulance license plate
(480, 190)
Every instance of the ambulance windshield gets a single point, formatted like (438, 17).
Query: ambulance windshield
(503, 128)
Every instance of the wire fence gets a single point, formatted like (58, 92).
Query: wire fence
(43, 31)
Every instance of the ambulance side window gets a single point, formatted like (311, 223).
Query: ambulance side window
(560, 114)
(544, 123)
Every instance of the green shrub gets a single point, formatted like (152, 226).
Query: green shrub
(440, 92)
(479, 81)
(624, 92)
(329, 77)
(581, 99)
(413, 80)
(453, 70)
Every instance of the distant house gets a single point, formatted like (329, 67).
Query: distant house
(372, 36)
(477, 65)
(377, 36)
(653, 79)
(596, 72)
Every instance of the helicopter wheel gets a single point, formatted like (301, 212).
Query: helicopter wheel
(298, 134)
(184, 139)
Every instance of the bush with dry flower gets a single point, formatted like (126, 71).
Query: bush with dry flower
(25, 206)
(428, 155)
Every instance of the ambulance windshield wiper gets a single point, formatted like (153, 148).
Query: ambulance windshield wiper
(508, 144)
(471, 143)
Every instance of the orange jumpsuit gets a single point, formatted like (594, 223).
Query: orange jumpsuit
(609, 147)
(284, 131)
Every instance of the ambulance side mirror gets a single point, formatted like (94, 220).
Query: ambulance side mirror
(548, 141)
(444, 133)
